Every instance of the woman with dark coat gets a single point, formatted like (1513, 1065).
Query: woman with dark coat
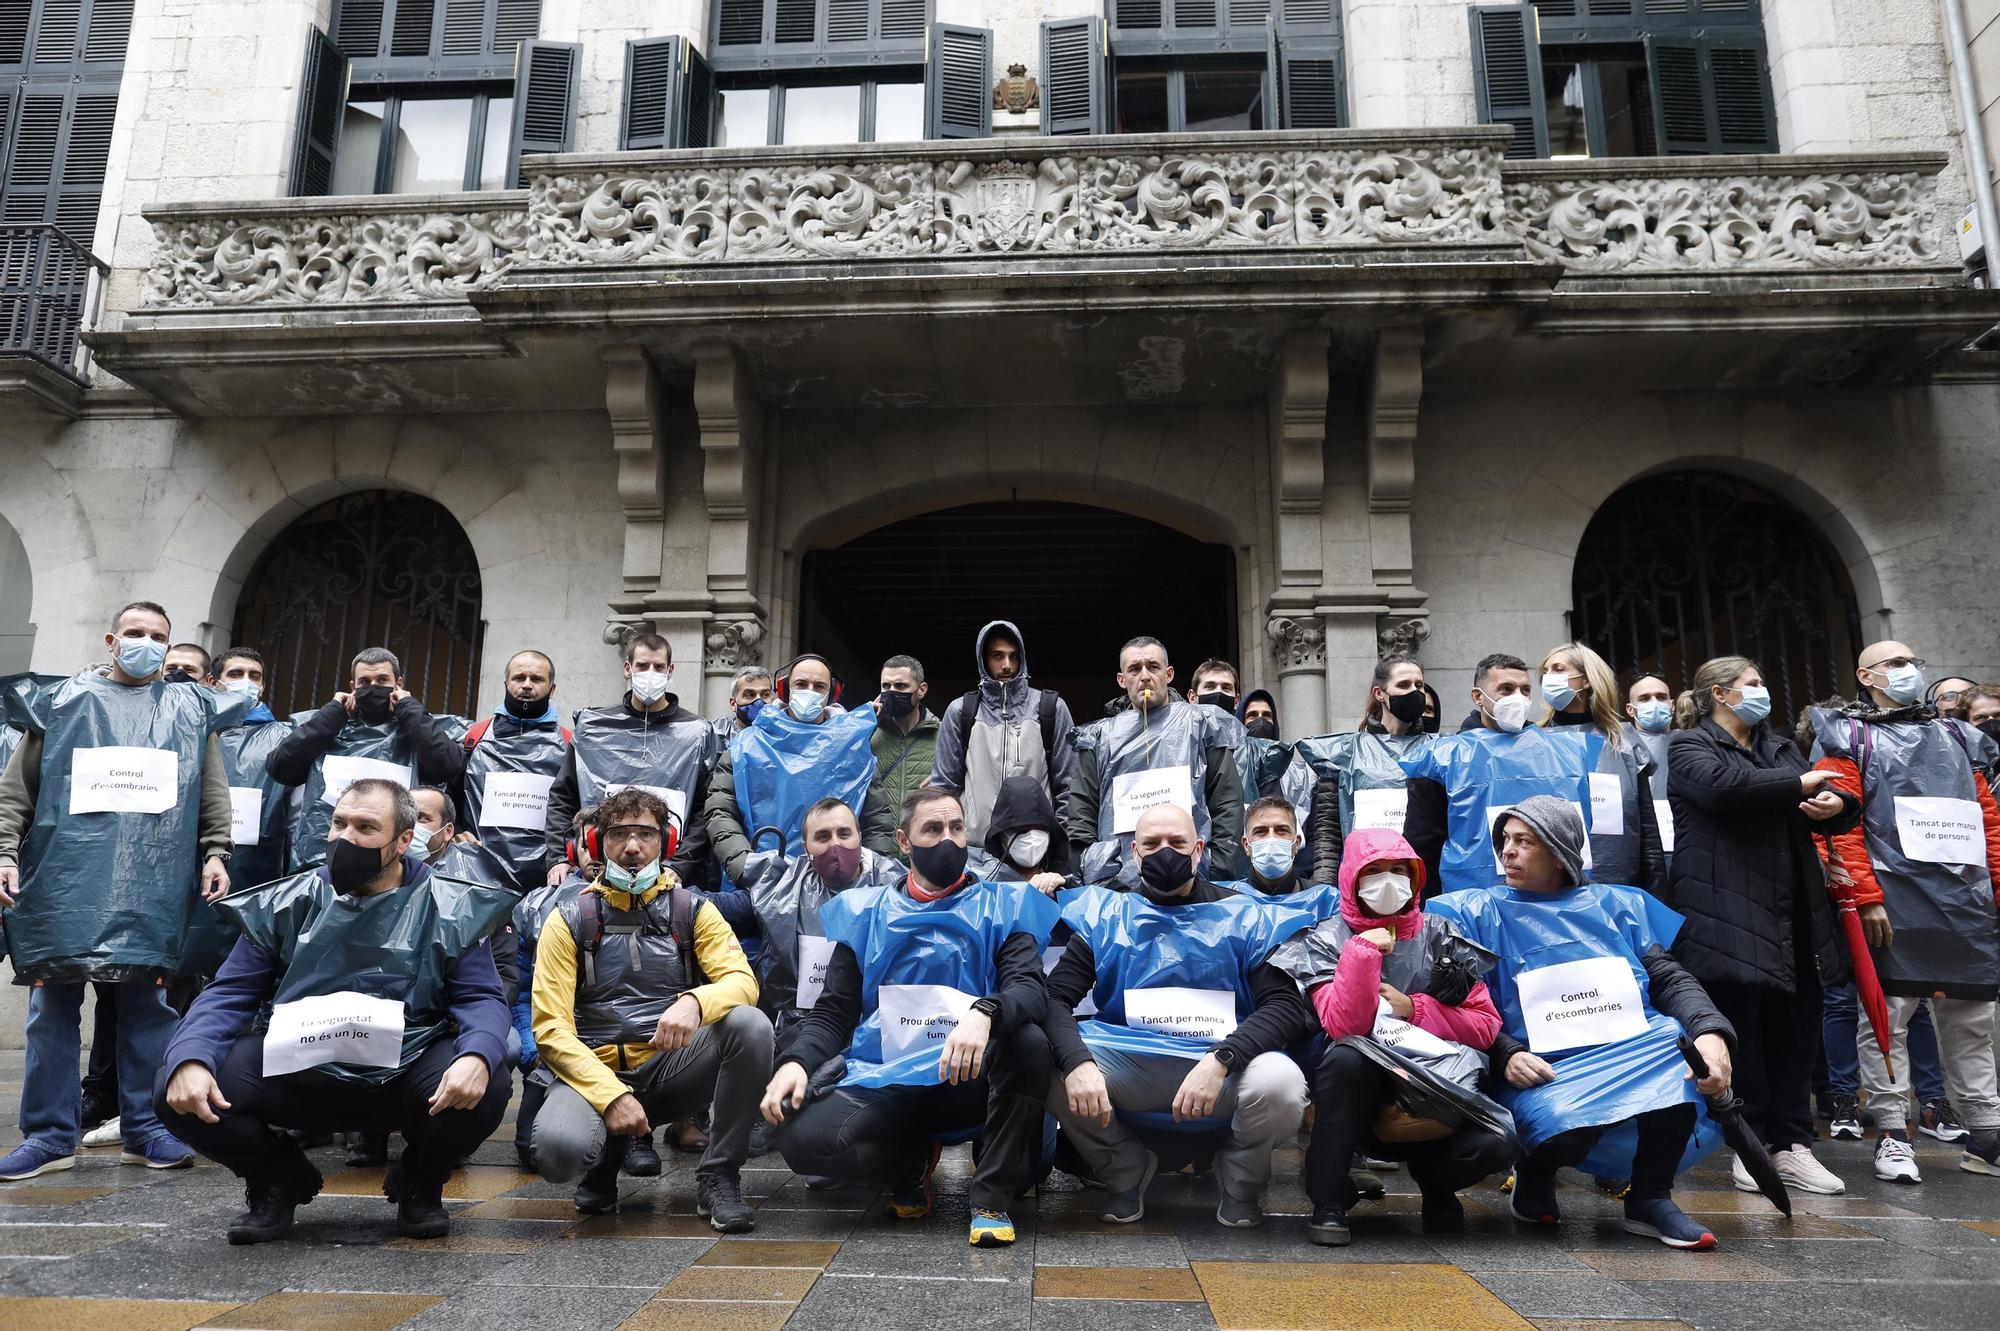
(1759, 931)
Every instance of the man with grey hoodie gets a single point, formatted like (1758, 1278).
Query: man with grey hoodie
(1005, 727)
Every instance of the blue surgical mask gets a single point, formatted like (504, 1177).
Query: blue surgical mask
(1556, 691)
(1756, 704)
(141, 658)
(1272, 857)
(806, 704)
(1653, 716)
(1905, 683)
(632, 881)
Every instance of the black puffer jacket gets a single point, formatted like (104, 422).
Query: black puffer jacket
(1744, 866)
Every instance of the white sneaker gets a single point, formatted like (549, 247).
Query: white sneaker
(1741, 1176)
(104, 1134)
(1896, 1161)
(1803, 1173)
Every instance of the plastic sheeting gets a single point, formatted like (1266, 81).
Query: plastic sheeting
(1926, 840)
(1655, 747)
(1485, 771)
(399, 945)
(1321, 901)
(616, 747)
(1369, 768)
(105, 884)
(1442, 962)
(520, 762)
(1138, 755)
(1272, 767)
(782, 765)
(371, 742)
(261, 812)
(473, 863)
(918, 949)
(787, 896)
(1617, 849)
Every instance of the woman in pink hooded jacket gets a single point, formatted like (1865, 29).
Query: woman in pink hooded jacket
(1384, 972)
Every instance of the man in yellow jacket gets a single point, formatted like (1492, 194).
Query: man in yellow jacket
(644, 1010)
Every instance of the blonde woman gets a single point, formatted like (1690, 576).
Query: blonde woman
(1625, 836)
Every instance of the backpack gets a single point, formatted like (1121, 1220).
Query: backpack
(477, 735)
(681, 907)
(1045, 713)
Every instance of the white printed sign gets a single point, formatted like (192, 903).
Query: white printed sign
(118, 778)
(349, 1028)
(1940, 831)
(246, 815)
(516, 799)
(1132, 793)
(1192, 1014)
(815, 955)
(1379, 808)
(675, 800)
(1408, 1038)
(1495, 810)
(919, 1017)
(1663, 814)
(1580, 1004)
(339, 772)
(1607, 804)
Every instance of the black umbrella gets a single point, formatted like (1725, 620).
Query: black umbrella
(1727, 1111)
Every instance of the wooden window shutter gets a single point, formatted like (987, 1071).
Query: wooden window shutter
(322, 104)
(1074, 91)
(546, 79)
(958, 83)
(1507, 76)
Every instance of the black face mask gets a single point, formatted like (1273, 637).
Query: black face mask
(895, 706)
(1218, 699)
(1262, 728)
(1991, 728)
(941, 865)
(353, 867)
(371, 703)
(179, 675)
(1430, 725)
(1164, 872)
(1409, 707)
(526, 709)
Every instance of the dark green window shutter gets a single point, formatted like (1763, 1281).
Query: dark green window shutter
(14, 33)
(1138, 15)
(958, 83)
(546, 77)
(1507, 76)
(1073, 76)
(1712, 93)
(322, 102)
(669, 91)
(1312, 82)
(357, 28)
(740, 22)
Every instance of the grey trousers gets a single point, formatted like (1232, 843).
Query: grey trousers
(1965, 1051)
(1264, 1104)
(727, 1064)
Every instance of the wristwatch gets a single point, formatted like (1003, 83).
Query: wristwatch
(1226, 1056)
(989, 1007)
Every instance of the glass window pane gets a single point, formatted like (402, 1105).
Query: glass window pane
(899, 112)
(1562, 90)
(830, 114)
(360, 146)
(746, 118)
(1628, 108)
(1142, 101)
(1224, 99)
(493, 153)
(431, 139)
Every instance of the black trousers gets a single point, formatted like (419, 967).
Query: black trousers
(1777, 1044)
(1347, 1089)
(100, 1075)
(1663, 1138)
(243, 1141)
(878, 1134)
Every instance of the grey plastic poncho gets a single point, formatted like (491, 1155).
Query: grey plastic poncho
(1159, 756)
(364, 749)
(616, 748)
(1617, 841)
(507, 779)
(1369, 769)
(260, 810)
(787, 895)
(1656, 748)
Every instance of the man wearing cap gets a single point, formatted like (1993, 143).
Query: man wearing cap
(1592, 1008)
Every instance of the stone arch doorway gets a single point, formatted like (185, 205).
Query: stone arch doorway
(1079, 580)
(17, 602)
(374, 568)
(1682, 566)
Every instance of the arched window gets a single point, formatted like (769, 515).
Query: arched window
(1677, 568)
(375, 569)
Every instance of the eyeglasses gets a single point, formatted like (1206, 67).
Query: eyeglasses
(1897, 663)
(632, 832)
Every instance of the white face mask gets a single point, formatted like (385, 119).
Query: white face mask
(649, 686)
(249, 687)
(1510, 712)
(806, 704)
(420, 841)
(1385, 892)
(1027, 848)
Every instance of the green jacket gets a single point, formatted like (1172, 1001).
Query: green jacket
(903, 762)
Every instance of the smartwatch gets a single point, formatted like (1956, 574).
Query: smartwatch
(1225, 1056)
(988, 1006)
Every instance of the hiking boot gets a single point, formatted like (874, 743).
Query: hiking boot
(642, 1158)
(1937, 1120)
(719, 1196)
(911, 1198)
(420, 1212)
(1658, 1218)
(1896, 1160)
(760, 1138)
(271, 1198)
(1328, 1227)
(688, 1136)
(1367, 1184)
(1844, 1118)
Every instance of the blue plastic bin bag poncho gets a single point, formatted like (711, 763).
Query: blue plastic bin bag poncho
(507, 778)
(400, 946)
(113, 857)
(922, 965)
(788, 896)
(1485, 771)
(1369, 768)
(260, 815)
(1926, 838)
(616, 748)
(1319, 901)
(1655, 747)
(1159, 756)
(363, 749)
(1569, 983)
(782, 764)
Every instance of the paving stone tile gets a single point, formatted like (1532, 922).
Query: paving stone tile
(107, 1314)
(1592, 1324)
(900, 1304)
(1743, 1203)
(1559, 1294)
(1159, 1284)
(1114, 1249)
(343, 1311)
(741, 1283)
(768, 1252)
(1668, 1264)
(524, 1208)
(493, 1307)
(63, 1240)
(644, 1225)
(1113, 1315)
(581, 1262)
(474, 1183)
(47, 1194)
(695, 1315)
(1278, 1296)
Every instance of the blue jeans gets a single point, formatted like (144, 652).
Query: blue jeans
(1841, 1025)
(52, 1097)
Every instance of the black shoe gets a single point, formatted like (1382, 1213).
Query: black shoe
(642, 1158)
(367, 1150)
(1443, 1214)
(1328, 1227)
(719, 1196)
(760, 1138)
(525, 1158)
(97, 1111)
(597, 1190)
(1533, 1200)
(420, 1212)
(271, 1198)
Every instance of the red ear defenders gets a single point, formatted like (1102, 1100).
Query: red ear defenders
(592, 848)
(781, 685)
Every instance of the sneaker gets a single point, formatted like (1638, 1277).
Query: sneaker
(1533, 1200)
(1802, 1172)
(1844, 1121)
(270, 1199)
(1129, 1207)
(104, 1134)
(1658, 1218)
(1982, 1154)
(642, 1158)
(1740, 1176)
(688, 1136)
(719, 1196)
(597, 1191)
(525, 1158)
(1443, 1214)
(367, 1150)
(911, 1199)
(990, 1229)
(1367, 1183)
(160, 1152)
(1378, 1165)
(1235, 1213)
(1937, 1120)
(1328, 1227)
(760, 1138)
(1618, 1189)
(1896, 1160)
(27, 1160)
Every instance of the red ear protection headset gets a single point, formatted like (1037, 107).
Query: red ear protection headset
(781, 685)
(592, 847)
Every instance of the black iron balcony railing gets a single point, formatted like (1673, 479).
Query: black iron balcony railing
(46, 294)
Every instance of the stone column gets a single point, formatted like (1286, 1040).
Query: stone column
(1409, 64)
(732, 422)
(1298, 650)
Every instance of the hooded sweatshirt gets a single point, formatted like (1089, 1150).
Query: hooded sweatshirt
(1004, 739)
(1022, 806)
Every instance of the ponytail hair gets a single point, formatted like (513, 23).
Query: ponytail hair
(1385, 670)
(1699, 700)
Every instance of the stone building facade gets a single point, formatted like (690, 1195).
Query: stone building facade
(1394, 364)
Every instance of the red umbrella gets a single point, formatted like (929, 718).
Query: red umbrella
(1867, 985)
